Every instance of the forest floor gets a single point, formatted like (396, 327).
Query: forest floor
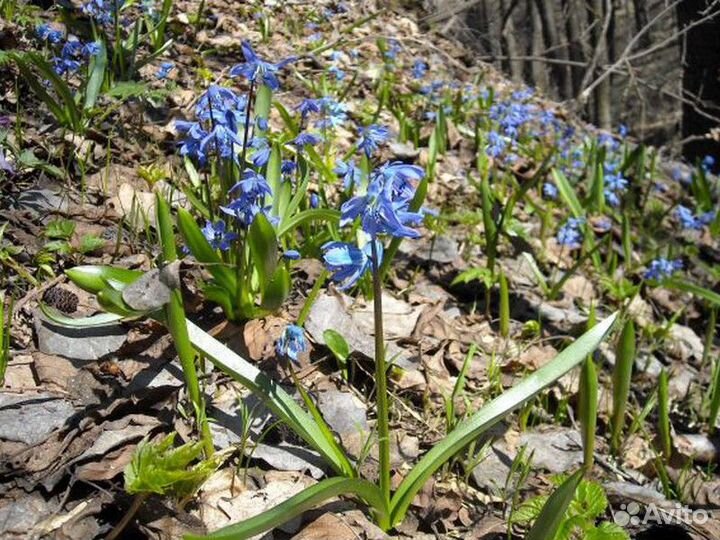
(76, 403)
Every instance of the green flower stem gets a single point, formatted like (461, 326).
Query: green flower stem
(381, 379)
(314, 292)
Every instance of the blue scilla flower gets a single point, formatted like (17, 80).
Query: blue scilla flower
(569, 234)
(48, 33)
(615, 181)
(384, 209)
(679, 175)
(307, 139)
(256, 70)
(393, 49)
(261, 151)
(253, 184)
(623, 131)
(291, 255)
(419, 69)
(350, 174)
(194, 135)
(337, 72)
(221, 141)
(217, 235)
(662, 268)
(689, 220)
(91, 49)
(348, 263)
(612, 198)
(314, 200)
(496, 144)
(334, 114)
(708, 163)
(308, 106)
(220, 105)
(371, 137)
(550, 191)
(292, 343)
(164, 70)
(288, 167)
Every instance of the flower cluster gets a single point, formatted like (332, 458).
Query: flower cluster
(570, 234)
(615, 183)
(371, 137)
(217, 235)
(662, 268)
(102, 11)
(220, 112)
(695, 222)
(252, 190)
(258, 71)
(292, 343)
(383, 210)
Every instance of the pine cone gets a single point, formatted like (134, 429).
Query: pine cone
(61, 299)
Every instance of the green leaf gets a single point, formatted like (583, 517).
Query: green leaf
(263, 248)
(568, 194)
(337, 344)
(263, 101)
(552, 514)
(59, 318)
(276, 399)
(697, 290)
(621, 378)
(277, 289)
(302, 502)
(468, 431)
(311, 214)
(98, 65)
(607, 531)
(90, 243)
(203, 251)
(93, 279)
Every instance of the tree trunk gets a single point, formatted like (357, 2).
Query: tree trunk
(701, 79)
(602, 107)
(510, 46)
(575, 48)
(555, 50)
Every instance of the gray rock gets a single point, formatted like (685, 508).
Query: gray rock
(560, 316)
(404, 150)
(78, 343)
(649, 365)
(683, 343)
(30, 419)
(18, 517)
(440, 249)
(556, 450)
(491, 473)
(343, 412)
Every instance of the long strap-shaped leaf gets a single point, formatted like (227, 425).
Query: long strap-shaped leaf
(296, 505)
(493, 412)
(279, 401)
(551, 516)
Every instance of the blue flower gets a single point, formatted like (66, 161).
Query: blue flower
(372, 137)
(164, 70)
(708, 163)
(48, 33)
(253, 184)
(681, 176)
(393, 50)
(569, 234)
(348, 262)
(623, 131)
(662, 268)
(350, 174)
(91, 49)
(221, 141)
(688, 220)
(314, 200)
(288, 167)
(102, 11)
(496, 144)
(292, 343)
(256, 70)
(308, 106)
(419, 69)
(334, 113)
(261, 154)
(194, 135)
(305, 139)
(220, 105)
(550, 191)
(217, 236)
(337, 72)
(291, 255)
(384, 209)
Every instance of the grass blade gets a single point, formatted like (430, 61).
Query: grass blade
(553, 512)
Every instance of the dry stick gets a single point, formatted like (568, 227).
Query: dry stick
(599, 50)
(134, 507)
(588, 88)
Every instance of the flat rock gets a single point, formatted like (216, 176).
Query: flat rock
(31, 418)
(683, 343)
(490, 474)
(78, 343)
(556, 449)
(349, 525)
(440, 249)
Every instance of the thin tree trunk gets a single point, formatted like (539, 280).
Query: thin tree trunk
(546, 11)
(510, 46)
(602, 106)
(641, 21)
(537, 71)
(575, 48)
